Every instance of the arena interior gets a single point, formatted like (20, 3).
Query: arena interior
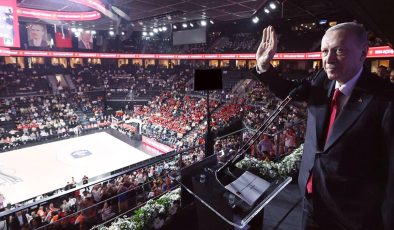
(101, 116)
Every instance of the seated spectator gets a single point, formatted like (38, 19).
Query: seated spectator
(265, 148)
(106, 211)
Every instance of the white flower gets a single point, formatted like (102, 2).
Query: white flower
(162, 210)
(173, 209)
(158, 223)
(285, 168)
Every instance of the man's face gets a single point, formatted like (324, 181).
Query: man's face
(36, 31)
(343, 55)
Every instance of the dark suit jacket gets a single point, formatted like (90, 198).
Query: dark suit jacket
(81, 45)
(353, 173)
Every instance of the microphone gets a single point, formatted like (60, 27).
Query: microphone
(303, 89)
(300, 90)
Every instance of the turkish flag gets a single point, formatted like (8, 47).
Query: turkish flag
(63, 40)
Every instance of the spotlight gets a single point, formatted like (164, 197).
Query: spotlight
(164, 28)
(151, 33)
(211, 21)
(184, 25)
(93, 32)
(122, 33)
(255, 19)
(111, 33)
(323, 21)
(267, 11)
(160, 29)
(272, 6)
(203, 23)
(155, 30)
(174, 27)
(144, 33)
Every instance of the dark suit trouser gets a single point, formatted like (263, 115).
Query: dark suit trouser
(308, 221)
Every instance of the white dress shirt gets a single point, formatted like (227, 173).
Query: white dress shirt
(347, 88)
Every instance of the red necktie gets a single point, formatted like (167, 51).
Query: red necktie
(334, 111)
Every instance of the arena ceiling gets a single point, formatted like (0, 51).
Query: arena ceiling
(142, 13)
(153, 13)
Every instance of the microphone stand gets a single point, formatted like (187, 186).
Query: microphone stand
(252, 140)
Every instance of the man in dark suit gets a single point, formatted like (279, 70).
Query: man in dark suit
(37, 35)
(85, 41)
(347, 168)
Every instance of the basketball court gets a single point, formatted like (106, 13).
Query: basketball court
(29, 172)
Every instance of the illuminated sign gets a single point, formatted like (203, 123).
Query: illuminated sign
(373, 52)
(67, 16)
(159, 146)
(55, 15)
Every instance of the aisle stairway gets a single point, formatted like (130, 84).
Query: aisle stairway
(53, 82)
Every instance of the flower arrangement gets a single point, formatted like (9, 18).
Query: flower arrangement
(288, 166)
(152, 215)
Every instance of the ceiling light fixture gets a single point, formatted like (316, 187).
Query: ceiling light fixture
(272, 6)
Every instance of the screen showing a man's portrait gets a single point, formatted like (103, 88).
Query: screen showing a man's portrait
(37, 35)
(85, 41)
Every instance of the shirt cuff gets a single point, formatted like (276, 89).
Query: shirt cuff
(261, 71)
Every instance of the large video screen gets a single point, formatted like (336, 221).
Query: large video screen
(189, 36)
(63, 38)
(9, 29)
(85, 41)
(37, 35)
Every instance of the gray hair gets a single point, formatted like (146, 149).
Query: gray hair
(357, 29)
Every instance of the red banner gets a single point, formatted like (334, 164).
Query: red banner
(159, 146)
(4, 51)
(97, 5)
(381, 51)
(374, 52)
(55, 15)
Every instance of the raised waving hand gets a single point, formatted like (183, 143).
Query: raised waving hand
(267, 49)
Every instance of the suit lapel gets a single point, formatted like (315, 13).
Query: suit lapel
(356, 104)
